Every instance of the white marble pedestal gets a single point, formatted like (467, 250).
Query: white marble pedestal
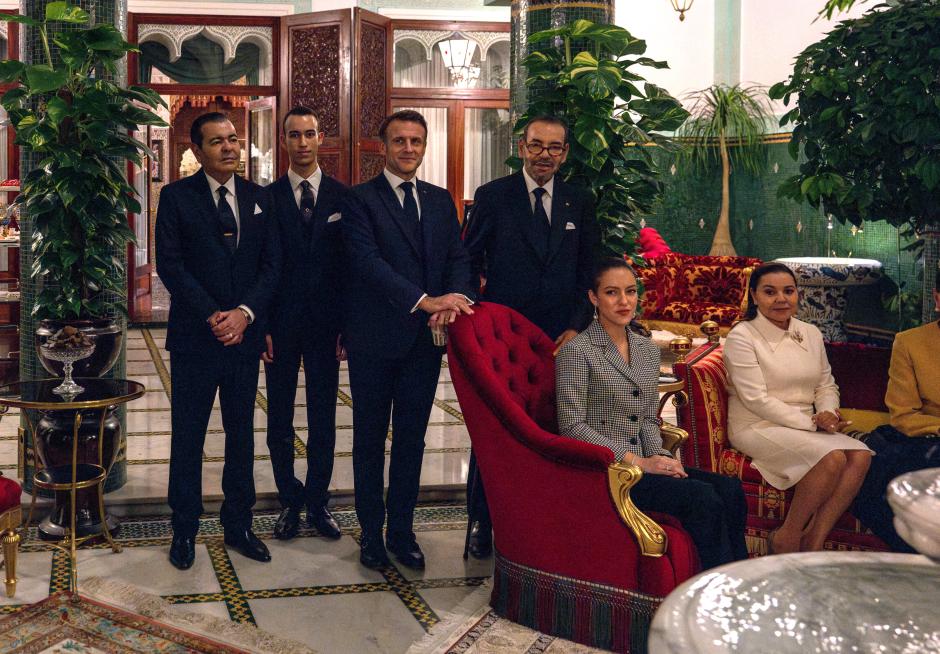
(860, 602)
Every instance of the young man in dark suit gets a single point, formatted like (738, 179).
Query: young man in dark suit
(408, 272)
(218, 255)
(304, 326)
(533, 238)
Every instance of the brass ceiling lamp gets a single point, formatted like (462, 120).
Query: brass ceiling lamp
(682, 6)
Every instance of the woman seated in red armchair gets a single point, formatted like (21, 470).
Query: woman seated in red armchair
(783, 412)
(606, 385)
(912, 440)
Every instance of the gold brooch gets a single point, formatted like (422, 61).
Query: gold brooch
(796, 336)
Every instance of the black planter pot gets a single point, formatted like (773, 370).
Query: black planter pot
(105, 334)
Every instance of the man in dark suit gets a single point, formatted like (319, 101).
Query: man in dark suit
(533, 238)
(408, 271)
(218, 256)
(304, 325)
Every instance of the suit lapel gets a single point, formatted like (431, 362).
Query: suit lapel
(561, 211)
(522, 210)
(246, 214)
(394, 207)
(204, 199)
(600, 338)
(427, 221)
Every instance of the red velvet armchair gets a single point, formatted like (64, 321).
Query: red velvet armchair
(10, 518)
(574, 557)
(705, 417)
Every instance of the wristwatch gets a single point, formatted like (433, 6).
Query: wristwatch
(246, 314)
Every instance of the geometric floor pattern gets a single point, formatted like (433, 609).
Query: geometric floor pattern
(314, 590)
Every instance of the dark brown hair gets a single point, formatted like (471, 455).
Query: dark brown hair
(551, 120)
(195, 131)
(764, 269)
(615, 263)
(300, 110)
(405, 115)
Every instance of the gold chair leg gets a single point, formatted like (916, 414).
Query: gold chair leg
(11, 541)
(115, 546)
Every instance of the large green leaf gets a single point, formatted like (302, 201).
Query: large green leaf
(19, 18)
(66, 13)
(42, 78)
(10, 70)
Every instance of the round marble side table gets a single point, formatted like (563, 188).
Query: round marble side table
(915, 499)
(807, 602)
(823, 282)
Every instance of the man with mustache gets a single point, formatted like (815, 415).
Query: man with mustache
(217, 254)
(532, 239)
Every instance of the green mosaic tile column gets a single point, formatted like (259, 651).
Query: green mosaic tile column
(31, 51)
(531, 16)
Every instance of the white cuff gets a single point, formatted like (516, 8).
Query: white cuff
(415, 307)
(249, 313)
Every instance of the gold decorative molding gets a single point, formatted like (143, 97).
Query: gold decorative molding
(649, 535)
(673, 438)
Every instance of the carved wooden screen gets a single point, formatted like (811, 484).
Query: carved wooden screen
(315, 72)
(372, 75)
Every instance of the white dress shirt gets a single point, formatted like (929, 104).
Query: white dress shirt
(313, 180)
(233, 203)
(395, 181)
(549, 187)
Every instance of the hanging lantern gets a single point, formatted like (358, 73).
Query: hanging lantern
(682, 6)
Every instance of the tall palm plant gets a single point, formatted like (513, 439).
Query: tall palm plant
(722, 116)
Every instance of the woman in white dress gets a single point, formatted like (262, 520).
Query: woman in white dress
(783, 412)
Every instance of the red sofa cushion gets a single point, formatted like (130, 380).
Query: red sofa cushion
(852, 366)
(650, 244)
(717, 280)
(10, 494)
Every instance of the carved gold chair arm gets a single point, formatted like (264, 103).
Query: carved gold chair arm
(673, 438)
(649, 535)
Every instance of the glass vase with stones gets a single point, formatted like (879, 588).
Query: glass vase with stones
(105, 333)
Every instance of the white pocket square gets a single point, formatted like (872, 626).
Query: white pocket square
(335, 217)
(570, 226)
(257, 209)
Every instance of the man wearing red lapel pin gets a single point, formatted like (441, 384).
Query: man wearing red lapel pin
(533, 239)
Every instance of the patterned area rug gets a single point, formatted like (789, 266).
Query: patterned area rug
(473, 628)
(66, 623)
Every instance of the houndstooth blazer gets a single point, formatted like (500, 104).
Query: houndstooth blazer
(603, 400)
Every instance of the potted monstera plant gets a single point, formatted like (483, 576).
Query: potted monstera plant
(75, 124)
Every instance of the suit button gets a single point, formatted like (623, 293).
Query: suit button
(603, 422)
(633, 418)
(632, 441)
(636, 393)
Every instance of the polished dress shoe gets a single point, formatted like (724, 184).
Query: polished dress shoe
(481, 541)
(182, 552)
(288, 524)
(248, 545)
(407, 552)
(372, 553)
(323, 521)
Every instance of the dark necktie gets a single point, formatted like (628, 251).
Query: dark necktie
(410, 206)
(227, 220)
(543, 229)
(308, 202)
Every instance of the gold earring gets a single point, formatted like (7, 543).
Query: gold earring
(595, 312)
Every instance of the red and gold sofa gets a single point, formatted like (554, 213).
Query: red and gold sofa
(10, 518)
(681, 290)
(574, 557)
(862, 374)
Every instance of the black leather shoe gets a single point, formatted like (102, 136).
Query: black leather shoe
(372, 553)
(408, 553)
(182, 552)
(481, 541)
(249, 545)
(288, 524)
(323, 521)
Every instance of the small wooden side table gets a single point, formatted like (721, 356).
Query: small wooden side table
(99, 394)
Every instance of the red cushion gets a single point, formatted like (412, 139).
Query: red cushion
(10, 493)
(650, 244)
(852, 365)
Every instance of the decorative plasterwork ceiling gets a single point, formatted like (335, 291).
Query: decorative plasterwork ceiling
(428, 39)
(229, 37)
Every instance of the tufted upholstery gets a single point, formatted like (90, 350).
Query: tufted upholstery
(705, 417)
(548, 494)
(683, 290)
(10, 518)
